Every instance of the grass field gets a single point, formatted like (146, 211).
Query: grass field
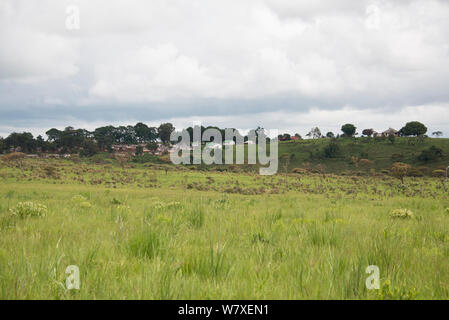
(141, 232)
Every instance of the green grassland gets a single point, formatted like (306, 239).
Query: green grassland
(382, 153)
(165, 232)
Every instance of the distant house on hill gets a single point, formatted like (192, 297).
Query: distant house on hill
(386, 133)
(390, 132)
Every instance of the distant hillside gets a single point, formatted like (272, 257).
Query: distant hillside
(382, 153)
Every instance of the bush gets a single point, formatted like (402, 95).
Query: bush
(28, 209)
(402, 214)
(299, 170)
(331, 150)
(14, 156)
(144, 158)
(438, 173)
(431, 154)
(413, 172)
(424, 170)
(397, 157)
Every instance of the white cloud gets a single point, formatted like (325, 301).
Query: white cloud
(386, 50)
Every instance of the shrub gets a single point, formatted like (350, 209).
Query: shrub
(424, 170)
(78, 198)
(399, 170)
(13, 156)
(299, 170)
(431, 154)
(365, 162)
(402, 214)
(397, 157)
(438, 173)
(331, 150)
(413, 172)
(29, 209)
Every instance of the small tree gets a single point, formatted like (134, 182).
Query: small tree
(315, 133)
(399, 170)
(348, 129)
(330, 135)
(368, 132)
(437, 134)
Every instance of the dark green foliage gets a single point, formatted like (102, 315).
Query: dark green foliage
(89, 148)
(413, 128)
(431, 154)
(348, 129)
(331, 150)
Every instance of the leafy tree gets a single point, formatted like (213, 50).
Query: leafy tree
(53, 134)
(368, 132)
(88, 148)
(2, 145)
(413, 128)
(330, 135)
(164, 132)
(431, 154)
(104, 137)
(24, 141)
(399, 170)
(437, 134)
(315, 133)
(348, 129)
(144, 133)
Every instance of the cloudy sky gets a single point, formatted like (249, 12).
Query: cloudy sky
(279, 64)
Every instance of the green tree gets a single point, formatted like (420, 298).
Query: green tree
(53, 134)
(348, 129)
(399, 170)
(413, 128)
(368, 132)
(331, 150)
(88, 148)
(24, 141)
(2, 145)
(164, 132)
(314, 133)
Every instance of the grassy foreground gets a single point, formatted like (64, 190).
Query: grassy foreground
(141, 233)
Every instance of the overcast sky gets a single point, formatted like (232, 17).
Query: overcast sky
(280, 64)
